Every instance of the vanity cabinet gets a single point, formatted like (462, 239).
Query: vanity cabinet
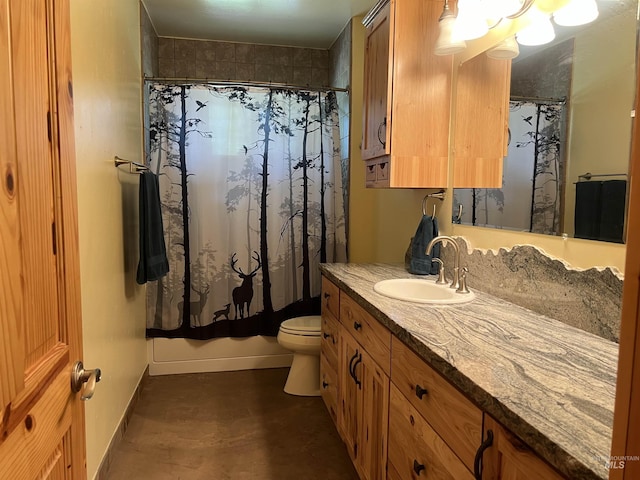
(509, 457)
(437, 409)
(362, 389)
(416, 451)
(398, 417)
(408, 103)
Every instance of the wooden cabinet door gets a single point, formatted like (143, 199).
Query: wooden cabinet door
(509, 458)
(350, 398)
(41, 419)
(374, 415)
(376, 125)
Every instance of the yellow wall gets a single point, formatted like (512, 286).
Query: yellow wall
(381, 221)
(602, 95)
(107, 100)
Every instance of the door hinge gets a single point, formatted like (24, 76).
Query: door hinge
(49, 134)
(53, 238)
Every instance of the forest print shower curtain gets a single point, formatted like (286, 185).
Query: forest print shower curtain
(252, 201)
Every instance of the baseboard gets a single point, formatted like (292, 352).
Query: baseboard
(105, 464)
(220, 364)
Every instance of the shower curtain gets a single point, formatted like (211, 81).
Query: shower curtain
(530, 199)
(252, 200)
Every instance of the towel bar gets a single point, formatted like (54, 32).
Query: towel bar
(134, 167)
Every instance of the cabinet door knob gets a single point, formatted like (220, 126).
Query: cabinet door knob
(326, 295)
(326, 335)
(420, 392)
(357, 325)
(477, 462)
(324, 384)
(418, 467)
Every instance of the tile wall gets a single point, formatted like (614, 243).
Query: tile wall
(203, 59)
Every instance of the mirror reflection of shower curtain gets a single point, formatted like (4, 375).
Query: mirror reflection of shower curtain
(530, 199)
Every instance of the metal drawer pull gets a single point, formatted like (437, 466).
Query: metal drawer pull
(477, 462)
(420, 392)
(357, 325)
(358, 382)
(351, 366)
(418, 467)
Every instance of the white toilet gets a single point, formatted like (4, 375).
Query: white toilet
(301, 335)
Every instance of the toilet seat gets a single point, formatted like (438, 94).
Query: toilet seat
(308, 326)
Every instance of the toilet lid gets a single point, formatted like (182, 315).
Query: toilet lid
(310, 325)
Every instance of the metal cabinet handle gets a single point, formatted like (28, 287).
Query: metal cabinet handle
(357, 325)
(80, 377)
(420, 392)
(358, 382)
(477, 462)
(382, 124)
(418, 467)
(351, 367)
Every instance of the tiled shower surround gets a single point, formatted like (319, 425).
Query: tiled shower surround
(203, 59)
(590, 300)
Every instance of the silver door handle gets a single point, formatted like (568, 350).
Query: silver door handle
(80, 376)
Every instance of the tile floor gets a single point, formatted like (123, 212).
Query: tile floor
(229, 426)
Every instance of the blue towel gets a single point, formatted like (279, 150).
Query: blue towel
(153, 262)
(416, 259)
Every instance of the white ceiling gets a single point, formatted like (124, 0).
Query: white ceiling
(301, 23)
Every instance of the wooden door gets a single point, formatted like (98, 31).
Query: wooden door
(42, 423)
(349, 392)
(510, 459)
(374, 418)
(377, 61)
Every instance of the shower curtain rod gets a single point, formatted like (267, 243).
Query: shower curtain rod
(247, 84)
(539, 99)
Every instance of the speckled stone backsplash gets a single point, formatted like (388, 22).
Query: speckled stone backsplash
(587, 299)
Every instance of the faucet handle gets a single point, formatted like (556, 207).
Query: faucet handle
(442, 279)
(462, 287)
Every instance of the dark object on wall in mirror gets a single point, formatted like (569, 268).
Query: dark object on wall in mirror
(599, 213)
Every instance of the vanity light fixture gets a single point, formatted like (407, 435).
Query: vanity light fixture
(505, 50)
(472, 20)
(447, 44)
(539, 32)
(577, 12)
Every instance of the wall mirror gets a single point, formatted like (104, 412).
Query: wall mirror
(567, 166)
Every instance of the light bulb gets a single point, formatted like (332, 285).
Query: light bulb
(471, 22)
(539, 32)
(577, 12)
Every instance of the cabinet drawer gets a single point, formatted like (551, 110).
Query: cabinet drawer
(330, 297)
(382, 173)
(329, 339)
(329, 388)
(449, 413)
(370, 173)
(373, 336)
(415, 449)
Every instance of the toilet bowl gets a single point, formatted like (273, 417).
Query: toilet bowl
(301, 335)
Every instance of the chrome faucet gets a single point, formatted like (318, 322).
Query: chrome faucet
(459, 281)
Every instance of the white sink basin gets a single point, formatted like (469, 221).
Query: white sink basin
(421, 291)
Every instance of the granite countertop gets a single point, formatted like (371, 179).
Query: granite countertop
(551, 384)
